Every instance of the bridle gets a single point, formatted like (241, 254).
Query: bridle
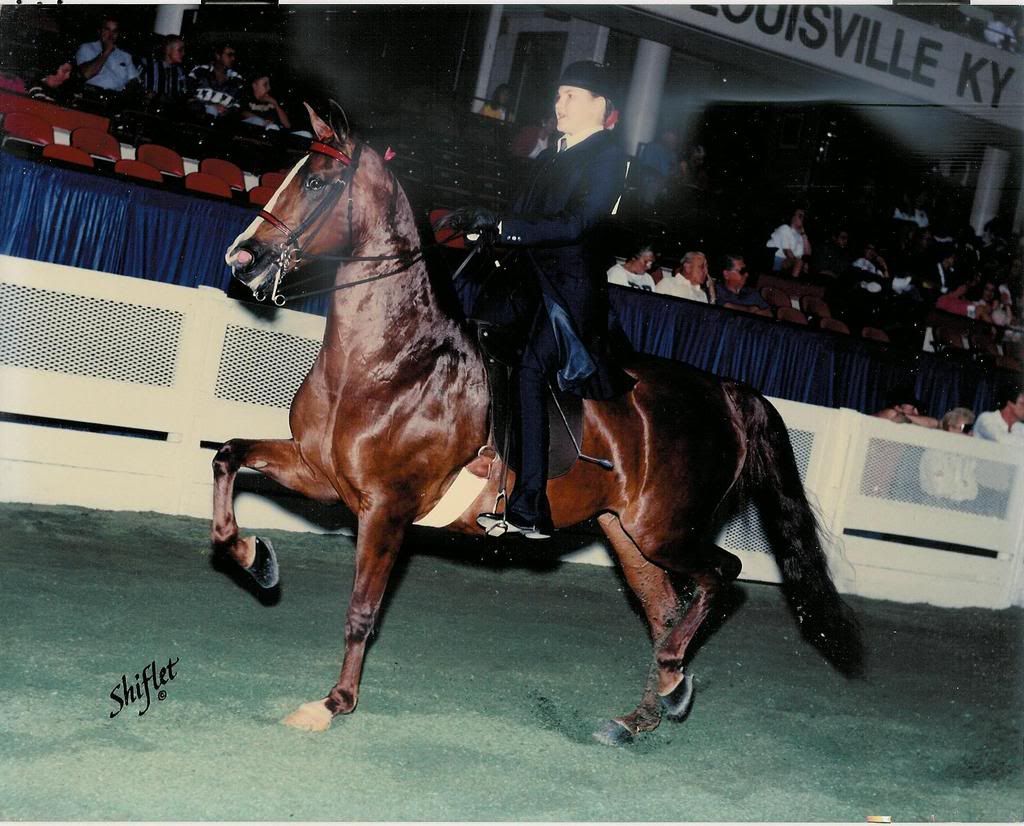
(292, 254)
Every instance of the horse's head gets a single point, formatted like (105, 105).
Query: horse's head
(320, 211)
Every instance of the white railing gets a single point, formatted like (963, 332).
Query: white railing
(115, 391)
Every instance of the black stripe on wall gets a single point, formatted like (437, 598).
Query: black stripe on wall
(917, 542)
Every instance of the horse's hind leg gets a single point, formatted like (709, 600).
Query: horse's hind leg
(668, 688)
(660, 603)
(278, 459)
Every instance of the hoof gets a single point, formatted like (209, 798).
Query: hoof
(677, 704)
(310, 717)
(614, 733)
(264, 567)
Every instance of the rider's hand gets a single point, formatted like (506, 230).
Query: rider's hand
(472, 221)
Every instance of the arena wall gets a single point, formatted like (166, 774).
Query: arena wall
(116, 392)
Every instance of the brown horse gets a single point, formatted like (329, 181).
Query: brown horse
(397, 404)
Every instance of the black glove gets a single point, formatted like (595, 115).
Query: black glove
(471, 221)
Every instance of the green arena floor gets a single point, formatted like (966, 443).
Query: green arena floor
(490, 672)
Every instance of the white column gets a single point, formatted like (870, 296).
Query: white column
(169, 18)
(483, 77)
(989, 191)
(1018, 226)
(640, 117)
(600, 44)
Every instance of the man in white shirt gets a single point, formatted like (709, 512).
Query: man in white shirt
(102, 64)
(791, 245)
(1004, 425)
(635, 272)
(688, 279)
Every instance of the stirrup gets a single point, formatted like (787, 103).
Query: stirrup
(495, 525)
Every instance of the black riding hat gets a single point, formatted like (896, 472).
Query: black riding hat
(596, 78)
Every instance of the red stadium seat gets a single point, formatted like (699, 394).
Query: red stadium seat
(225, 170)
(207, 184)
(96, 143)
(833, 324)
(26, 128)
(139, 170)
(776, 297)
(791, 315)
(68, 154)
(272, 179)
(166, 160)
(874, 334)
(259, 195)
(818, 307)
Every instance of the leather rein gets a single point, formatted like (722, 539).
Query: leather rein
(292, 254)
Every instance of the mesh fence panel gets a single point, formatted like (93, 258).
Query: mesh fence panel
(84, 336)
(937, 478)
(263, 367)
(743, 531)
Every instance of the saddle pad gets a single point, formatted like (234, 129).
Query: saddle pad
(456, 499)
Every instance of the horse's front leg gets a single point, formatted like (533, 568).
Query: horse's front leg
(380, 538)
(278, 459)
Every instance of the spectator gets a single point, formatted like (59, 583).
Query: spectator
(835, 256)
(734, 289)
(912, 213)
(959, 303)
(216, 87)
(260, 108)
(102, 64)
(871, 269)
(530, 141)
(688, 280)
(53, 87)
(164, 81)
(958, 420)
(497, 106)
(903, 408)
(940, 279)
(792, 246)
(1000, 31)
(1004, 424)
(635, 272)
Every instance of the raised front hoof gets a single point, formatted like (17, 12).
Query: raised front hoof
(614, 733)
(677, 704)
(310, 717)
(264, 570)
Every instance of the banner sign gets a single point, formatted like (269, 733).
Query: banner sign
(878, 46)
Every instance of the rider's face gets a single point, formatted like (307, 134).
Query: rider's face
(577, 110)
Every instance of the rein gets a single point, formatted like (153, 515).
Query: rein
(292, 253)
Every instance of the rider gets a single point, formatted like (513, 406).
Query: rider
(557, 221)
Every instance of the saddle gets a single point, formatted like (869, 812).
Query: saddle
(502, 350)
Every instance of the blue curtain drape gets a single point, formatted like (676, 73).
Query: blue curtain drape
(84, 220)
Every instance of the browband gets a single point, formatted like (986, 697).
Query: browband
(330, 151)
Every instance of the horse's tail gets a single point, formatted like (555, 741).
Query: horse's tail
(771, 478)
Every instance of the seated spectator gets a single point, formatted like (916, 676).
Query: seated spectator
(497, 106)
(903, 408)
(216, 88)
(734, 289)
(688, 280)
(792, 246)
(53, 86)
(530, 141)
(1000, 31)
(635, 272)
(1004, 424)
(998, 301)
(958, 420)
(959, 303)
(913, 213)
(102, 64)
(260, 108)
(870, 270)
(940, 278)
(164, 81)
(834, 257)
